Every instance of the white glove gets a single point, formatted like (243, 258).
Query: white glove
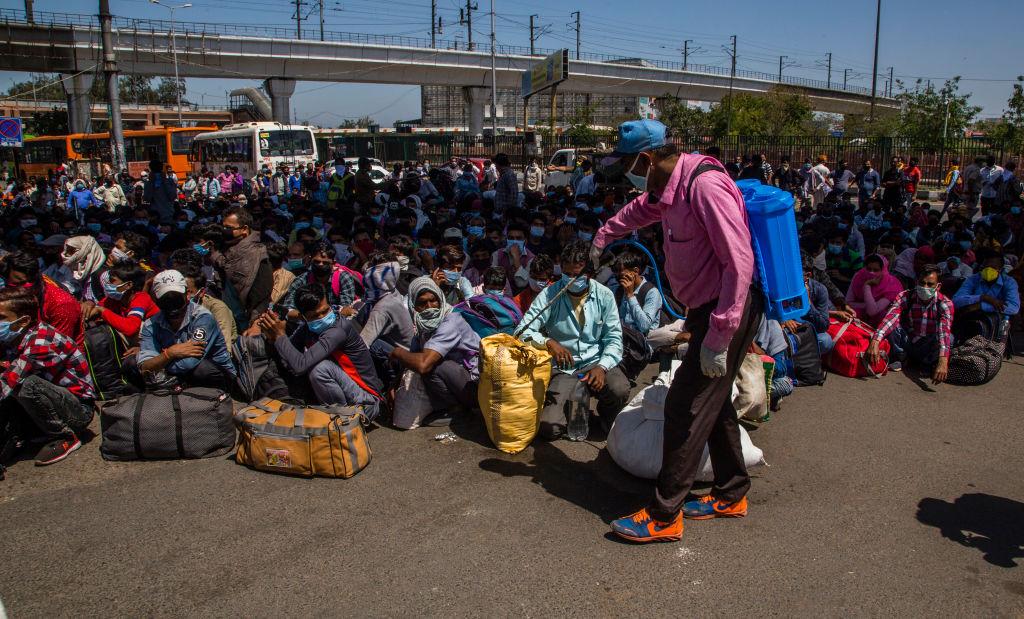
(712, 363)
(595, 256)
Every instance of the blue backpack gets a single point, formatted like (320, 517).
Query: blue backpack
(489, 314)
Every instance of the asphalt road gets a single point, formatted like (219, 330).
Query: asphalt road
(880, 498)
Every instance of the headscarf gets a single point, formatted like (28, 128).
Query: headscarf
(87, 259)
(380, 279)
(429, 320)
(917, 217)
(888, 288)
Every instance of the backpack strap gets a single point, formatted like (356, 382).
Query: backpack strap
(706, 166)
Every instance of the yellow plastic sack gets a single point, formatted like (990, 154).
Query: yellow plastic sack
(513, 379)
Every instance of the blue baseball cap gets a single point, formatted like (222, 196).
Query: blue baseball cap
(636, 136)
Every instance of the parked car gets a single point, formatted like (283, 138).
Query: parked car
(378, 173)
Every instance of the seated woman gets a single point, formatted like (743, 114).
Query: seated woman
(445, 351)
(125, 305)
(873, 290)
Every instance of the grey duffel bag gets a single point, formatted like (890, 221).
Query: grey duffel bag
(175, 424)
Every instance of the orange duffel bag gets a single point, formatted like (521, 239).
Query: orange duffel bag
(302, 440)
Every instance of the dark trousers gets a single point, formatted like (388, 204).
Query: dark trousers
(923, 353)
(449, 384)
(53, 409)
(554, 417)
(699, 411)
(388, 372)
(969, 324)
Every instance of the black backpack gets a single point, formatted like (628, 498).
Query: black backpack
(104, 349)
(975, 362)
(636, 353)
(804, 357)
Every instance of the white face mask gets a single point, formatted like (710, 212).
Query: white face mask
(819, 262)
(640, 182)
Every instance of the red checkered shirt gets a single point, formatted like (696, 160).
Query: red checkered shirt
(50, 355)
(934, 318)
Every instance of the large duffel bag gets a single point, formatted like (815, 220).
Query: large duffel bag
(189, 423)
(514, 378)
(326, 441)
(849, 356)
(104, 349)
(975, 362)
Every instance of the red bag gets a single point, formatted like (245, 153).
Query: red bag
(849, 357)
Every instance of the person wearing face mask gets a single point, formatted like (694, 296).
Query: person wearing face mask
(80, 199)
(985, 298)
(786, 177)
(125, 304)
(541, 273)
(582, 332)
(59, 308)
(45, 376)
(495, 283)
(710, 264)
(445, 352)
(918, 326)
(480, 259)
(327, 350)
(842, 261)
(342, 287)
(388, 324)
(449, 275)
(182, 342)
(244, 266)
(515, 257)
(111, 195)
(83, 261)
(537, 242)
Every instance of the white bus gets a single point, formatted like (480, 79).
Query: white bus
(251, 146)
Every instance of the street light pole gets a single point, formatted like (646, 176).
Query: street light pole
(874, 66)
(494, 82)
(174, 51)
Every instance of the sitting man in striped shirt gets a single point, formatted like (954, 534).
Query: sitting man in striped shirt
(44, 374)
(919, 326)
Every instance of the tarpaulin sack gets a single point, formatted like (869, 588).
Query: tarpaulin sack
(751, 399)
(513, 380)
(412, 404)
(306, 441)
(636, 438)
(975, 362)
(188, 423)
(849, 356)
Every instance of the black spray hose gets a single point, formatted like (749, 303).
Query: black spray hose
(657, 276)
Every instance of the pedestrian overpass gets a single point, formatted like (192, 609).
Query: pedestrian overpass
(70, 44)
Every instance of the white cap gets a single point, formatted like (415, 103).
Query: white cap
(453, 233)
(168, 281)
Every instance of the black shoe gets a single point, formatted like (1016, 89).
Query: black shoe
(58, 450)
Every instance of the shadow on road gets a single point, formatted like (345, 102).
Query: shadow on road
(994, 525)
(598, 486)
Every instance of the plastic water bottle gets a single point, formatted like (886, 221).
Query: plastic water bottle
(579, 412)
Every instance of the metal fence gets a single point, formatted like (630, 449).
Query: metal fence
(934, 162)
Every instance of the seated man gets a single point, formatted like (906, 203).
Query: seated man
(340, 286)
(388, 324)
(445, 352)
(541, 270)
(985, 298)
(639, 302)
(583, 333)
(819, 312)
(44, 374)
(183, 341)
(189, 263)
(326, 348)
(58, 308)
(842, 261)
(515, 258)
(125, 303)
(449, 277)
(919, 327)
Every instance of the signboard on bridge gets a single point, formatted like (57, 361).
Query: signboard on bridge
(549, 72)
(10, 132)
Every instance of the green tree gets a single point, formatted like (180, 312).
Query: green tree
(46, 86)
(581, 127)
(357, 123)
(1013, 117)
(682, 119)
(780, 111)
(53, 122)
(167, 94)
(927, 111)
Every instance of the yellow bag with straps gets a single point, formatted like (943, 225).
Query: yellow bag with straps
(281, 438)
(513, 380)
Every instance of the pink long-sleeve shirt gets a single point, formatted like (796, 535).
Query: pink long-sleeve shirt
(708, 253)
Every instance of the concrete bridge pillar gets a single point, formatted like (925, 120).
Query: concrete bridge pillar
(79, 102)
(280, 90)
(476, 99)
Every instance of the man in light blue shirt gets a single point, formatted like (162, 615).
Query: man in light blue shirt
(582, 331)
(985, 298)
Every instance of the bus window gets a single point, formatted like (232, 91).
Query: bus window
(286, 142)
(45, 151)
(181, 141)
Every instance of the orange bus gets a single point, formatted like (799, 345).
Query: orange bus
(168, 144)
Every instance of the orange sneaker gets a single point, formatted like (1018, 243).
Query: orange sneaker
(707, 507)
(640, 527)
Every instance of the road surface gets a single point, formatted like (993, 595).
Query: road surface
(880, 498)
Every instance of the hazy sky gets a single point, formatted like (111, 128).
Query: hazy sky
(933, 39)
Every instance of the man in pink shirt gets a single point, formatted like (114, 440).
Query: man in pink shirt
(710, 265)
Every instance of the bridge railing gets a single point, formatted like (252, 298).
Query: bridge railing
(14, 16)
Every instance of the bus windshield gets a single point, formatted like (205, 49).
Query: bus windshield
(286, 142)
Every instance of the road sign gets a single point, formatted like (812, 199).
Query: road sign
(551, 71)
(10, 132)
